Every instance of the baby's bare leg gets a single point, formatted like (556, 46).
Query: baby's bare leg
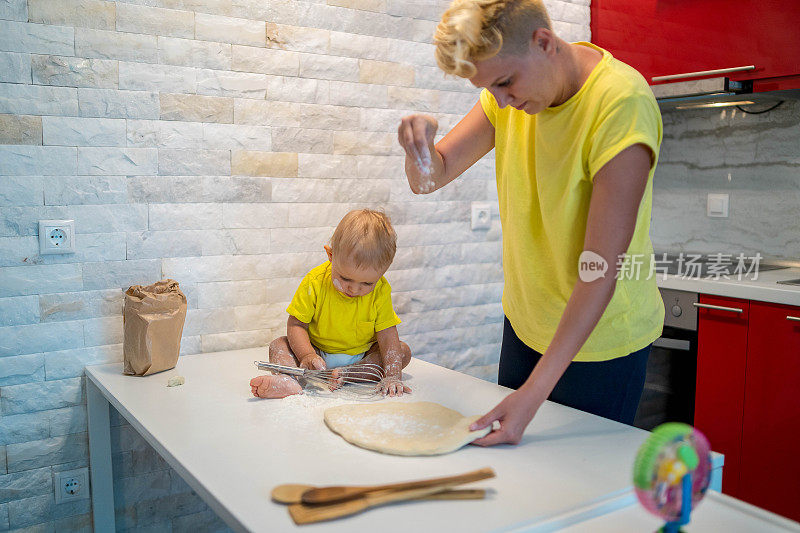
(281, 353)
(281, 385)
(373, 356)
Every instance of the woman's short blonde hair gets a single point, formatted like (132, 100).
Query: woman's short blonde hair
(365, 238)
(474, 30)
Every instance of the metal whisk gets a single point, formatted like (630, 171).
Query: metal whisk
(363, 379)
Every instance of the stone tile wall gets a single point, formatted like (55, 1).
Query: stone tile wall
(753, 158)
(216, 142)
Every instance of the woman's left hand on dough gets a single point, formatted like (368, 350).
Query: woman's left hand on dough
(514, 414)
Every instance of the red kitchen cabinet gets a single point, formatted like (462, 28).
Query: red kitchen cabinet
(662, 37)
(721, 362)
(770, 466)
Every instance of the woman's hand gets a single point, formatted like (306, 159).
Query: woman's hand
(514, 414)
(416, 134)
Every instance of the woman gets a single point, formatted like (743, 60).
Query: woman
(576, 135)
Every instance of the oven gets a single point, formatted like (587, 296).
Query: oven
(669, 387)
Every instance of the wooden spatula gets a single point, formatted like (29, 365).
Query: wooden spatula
(303, 513)
(341, 493)
(287, 494)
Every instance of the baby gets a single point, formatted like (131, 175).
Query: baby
(342, 312)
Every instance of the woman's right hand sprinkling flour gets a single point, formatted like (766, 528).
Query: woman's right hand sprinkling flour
(423, 163)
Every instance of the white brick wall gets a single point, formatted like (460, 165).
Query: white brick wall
(216, 142)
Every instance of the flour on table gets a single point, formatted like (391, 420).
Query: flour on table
(403, 428)
(302, 411)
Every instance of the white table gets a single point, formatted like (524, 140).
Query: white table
(716, 512)
(232, 449)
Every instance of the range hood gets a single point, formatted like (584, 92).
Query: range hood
(715, 91)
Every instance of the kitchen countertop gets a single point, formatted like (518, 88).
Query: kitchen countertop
(716, 512)
(233, 449)
(764, 289)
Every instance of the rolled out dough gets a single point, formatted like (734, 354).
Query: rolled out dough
(403, 428)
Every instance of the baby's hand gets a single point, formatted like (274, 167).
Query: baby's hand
(392, 386)
(336, 380)
(313, 362)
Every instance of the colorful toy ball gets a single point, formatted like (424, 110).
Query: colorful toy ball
(672, 472)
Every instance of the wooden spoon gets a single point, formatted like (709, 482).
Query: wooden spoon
(303, 513)
(289, 493)
(292, 494)
(340, 493)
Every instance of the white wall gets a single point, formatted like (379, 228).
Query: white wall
(216, 142)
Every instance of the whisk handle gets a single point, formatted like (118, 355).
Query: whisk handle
(283, 369)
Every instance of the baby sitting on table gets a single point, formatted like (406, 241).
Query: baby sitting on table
(342, 313)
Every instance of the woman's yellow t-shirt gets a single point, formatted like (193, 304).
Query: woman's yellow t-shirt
(545, 165)
(336, 323)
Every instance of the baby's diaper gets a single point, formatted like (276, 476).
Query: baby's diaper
(335, 360)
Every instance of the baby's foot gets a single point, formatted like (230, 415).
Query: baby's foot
(271, 386)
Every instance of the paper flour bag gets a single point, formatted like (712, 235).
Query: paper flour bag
(153, 319)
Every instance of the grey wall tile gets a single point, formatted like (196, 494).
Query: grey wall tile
(23, 428)
(42, 396)
(27, 484)
(55, 450)
(750, 157)
(33, 338)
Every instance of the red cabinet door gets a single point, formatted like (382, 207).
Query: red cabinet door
(719, 398)
(770, 469)
(660, 37)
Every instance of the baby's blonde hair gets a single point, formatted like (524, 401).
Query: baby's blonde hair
(366, 238)
(474, 30)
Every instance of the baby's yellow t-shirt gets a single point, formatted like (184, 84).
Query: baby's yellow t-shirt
(336, 323)
(545, 165)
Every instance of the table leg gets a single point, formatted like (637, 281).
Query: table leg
(100, 458)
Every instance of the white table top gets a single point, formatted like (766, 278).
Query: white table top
(233, 449)
(716, 512)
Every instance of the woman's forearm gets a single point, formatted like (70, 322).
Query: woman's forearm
(580, 317)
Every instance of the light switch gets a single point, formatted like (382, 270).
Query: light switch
(717, 205)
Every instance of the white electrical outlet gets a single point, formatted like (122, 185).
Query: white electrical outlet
(481, 215)
(56, 237)
(71, 485)
(717, 205)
